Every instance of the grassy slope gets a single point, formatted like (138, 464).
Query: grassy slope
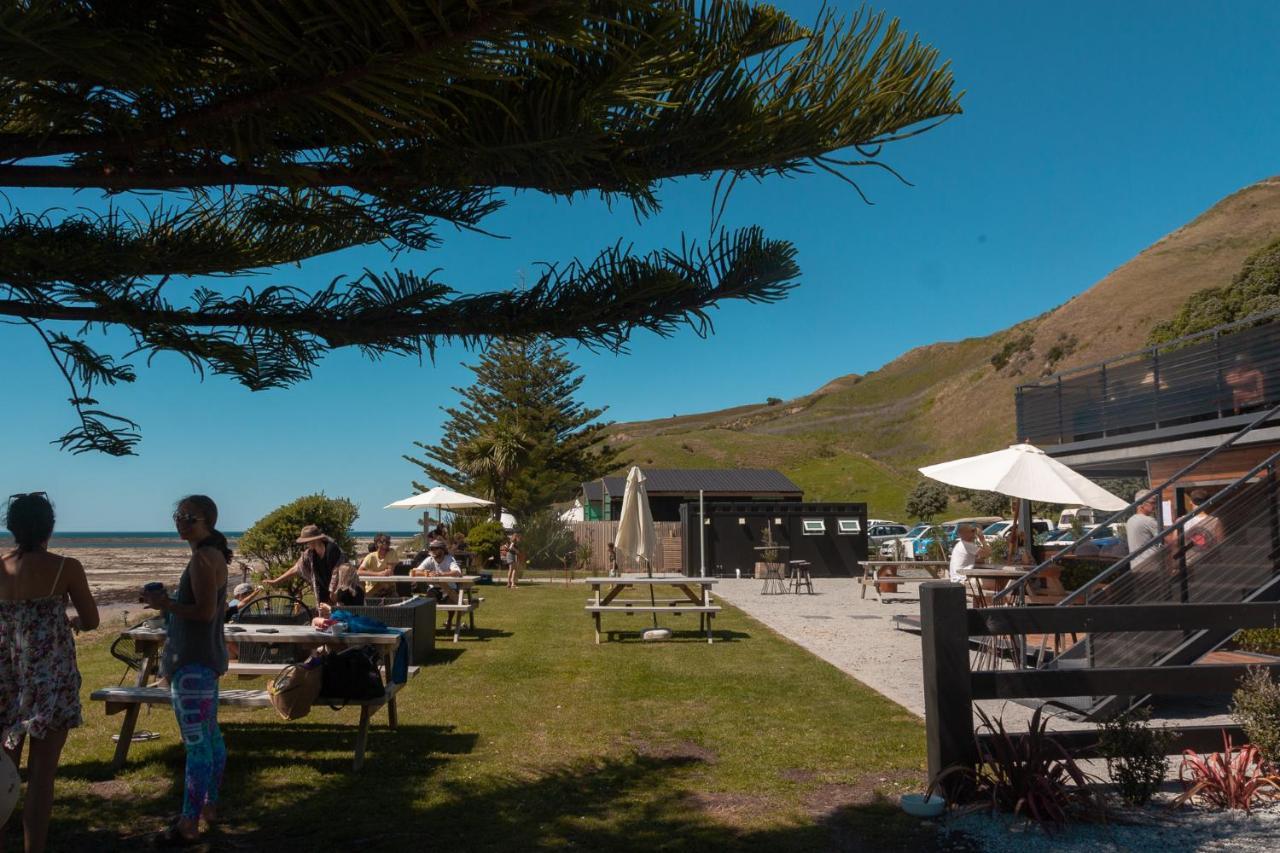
(861, 438)
(535, 738)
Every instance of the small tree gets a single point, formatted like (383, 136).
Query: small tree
(484, 540)
(272, 538)
(990, 503)
(927, 499)
(546, 539)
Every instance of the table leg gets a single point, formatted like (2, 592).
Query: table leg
(362, 737)
(708, 615)
(597, 620)
(389, 658)
(131, 713)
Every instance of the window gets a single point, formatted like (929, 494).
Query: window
(850, 526)
(814, 527)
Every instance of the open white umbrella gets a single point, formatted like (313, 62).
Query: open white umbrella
(637, 540)
(1024, 471)
(440, 498)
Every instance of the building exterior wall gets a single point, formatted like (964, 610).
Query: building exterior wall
(732, 547)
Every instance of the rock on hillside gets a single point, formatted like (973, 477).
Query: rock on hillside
(861, 437)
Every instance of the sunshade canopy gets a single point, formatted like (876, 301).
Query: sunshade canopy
(1024, 471)
(637, 540)
(440, 498)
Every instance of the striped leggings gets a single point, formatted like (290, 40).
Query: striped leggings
(194, 689)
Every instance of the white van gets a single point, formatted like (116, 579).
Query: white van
(1084, 513)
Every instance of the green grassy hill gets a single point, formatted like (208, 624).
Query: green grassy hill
(861, 438)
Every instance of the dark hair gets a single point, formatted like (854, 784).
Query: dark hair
(1198, 496)
(30, 520)
(209, 510)
(381, 537)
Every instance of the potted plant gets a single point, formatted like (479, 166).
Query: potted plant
(769, 553)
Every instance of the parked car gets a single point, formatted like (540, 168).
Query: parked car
(922, 545)
(1062, 538)
(1001, 528)
(879, 531)
(889, 548)
(1085, 514)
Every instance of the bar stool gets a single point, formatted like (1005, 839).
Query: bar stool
(800, 576)
(775, 583)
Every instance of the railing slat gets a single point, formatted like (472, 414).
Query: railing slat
(1119, 681)
(994, 621)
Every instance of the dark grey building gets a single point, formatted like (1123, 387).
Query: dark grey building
(669, 488)
(831, 536)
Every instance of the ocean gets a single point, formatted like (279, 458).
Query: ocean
(156, 538)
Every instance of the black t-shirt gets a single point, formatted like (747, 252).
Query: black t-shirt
(321, 569)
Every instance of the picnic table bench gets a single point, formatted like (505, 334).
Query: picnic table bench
(886, 573)
(467, 603)
(694, 600)
(129, 699)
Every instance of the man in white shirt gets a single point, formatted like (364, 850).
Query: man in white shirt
(966, 552)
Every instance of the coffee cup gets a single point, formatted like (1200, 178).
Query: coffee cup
(338, 628)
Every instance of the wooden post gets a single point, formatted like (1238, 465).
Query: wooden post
(948, 696)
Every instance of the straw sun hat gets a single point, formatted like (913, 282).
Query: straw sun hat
(310, 533)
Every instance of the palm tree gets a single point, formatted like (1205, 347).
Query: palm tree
(492, 457)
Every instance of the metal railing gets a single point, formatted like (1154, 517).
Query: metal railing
(1230, 370)
(1019, 587)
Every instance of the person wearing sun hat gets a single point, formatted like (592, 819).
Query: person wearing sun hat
(316, 565)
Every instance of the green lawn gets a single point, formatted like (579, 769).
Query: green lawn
(531, 737)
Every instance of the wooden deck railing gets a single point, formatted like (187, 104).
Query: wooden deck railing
(951, 686)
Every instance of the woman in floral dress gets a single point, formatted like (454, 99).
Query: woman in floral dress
(39, 681)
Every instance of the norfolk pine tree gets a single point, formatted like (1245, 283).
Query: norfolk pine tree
(229, 139)
(518, 437)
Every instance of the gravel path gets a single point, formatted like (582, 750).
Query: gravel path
(859, 637)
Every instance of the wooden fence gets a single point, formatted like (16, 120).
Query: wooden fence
(951, 686)
(599, 533)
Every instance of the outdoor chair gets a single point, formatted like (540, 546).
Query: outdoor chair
(272, 610)
(126, 651)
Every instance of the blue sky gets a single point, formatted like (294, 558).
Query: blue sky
(1091, 129)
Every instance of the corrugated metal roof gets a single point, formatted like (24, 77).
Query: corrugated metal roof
(735, 481)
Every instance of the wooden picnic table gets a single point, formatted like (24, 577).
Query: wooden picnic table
(149, 641)
(881, 571)
(696, 590)
(1004, 575)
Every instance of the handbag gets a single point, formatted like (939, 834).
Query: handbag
(351, 675)
(295, 689)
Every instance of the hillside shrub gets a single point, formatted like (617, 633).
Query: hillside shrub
(271, 539)
(1135, 752)
(1022, 343)
(1255, 706)
(1254, 290)
(927, 499)
(547, 541)
(484, 540)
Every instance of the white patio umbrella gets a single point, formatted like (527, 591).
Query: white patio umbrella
(1026, 472)
(440, 498)
(637, 540)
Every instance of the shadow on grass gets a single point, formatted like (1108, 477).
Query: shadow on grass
(637, 803)
(481, 634)
(633, 635)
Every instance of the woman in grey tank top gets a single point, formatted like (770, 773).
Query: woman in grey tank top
(194, 658)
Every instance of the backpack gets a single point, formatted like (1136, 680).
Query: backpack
(351, 675)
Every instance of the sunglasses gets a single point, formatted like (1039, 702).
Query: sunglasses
(185, 518)
(13, 498)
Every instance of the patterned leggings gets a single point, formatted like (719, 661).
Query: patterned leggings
(194, 689)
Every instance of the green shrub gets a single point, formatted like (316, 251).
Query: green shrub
(1263, 640)
(547, 541)
(271, 539)
(1010, 348)
(1078, 571)
(484, 540)
(1256, 707)
(1135, 753)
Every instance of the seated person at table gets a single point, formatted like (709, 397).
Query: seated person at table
(240, 597)
(439, 564)
(345, 588)
(381, 560)
(966, 552)
(321, 556)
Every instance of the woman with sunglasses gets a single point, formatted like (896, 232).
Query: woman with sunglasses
(193, 659)
(39, 680)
